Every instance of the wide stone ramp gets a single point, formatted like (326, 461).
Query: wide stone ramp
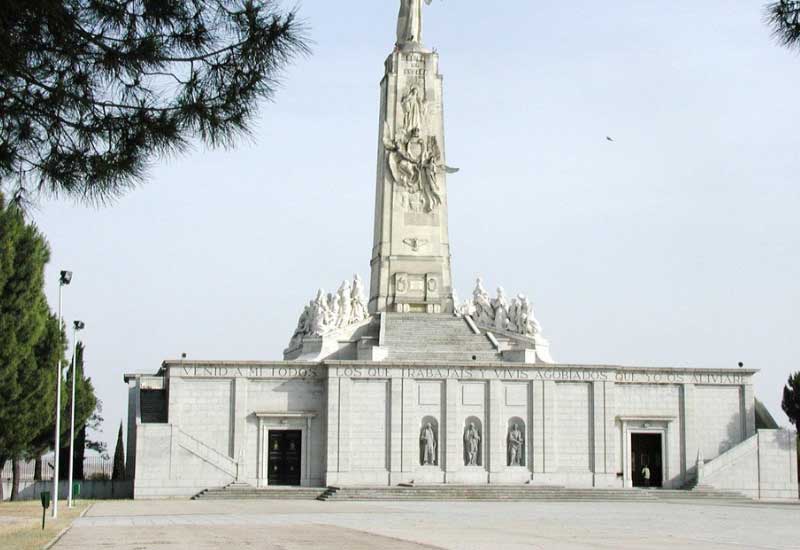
(434, 337)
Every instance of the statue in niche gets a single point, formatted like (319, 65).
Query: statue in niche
(428, 442)
(516, 446)
(413, 110)
(409, 21)
(472, 445)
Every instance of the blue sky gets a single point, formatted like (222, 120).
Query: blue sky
(676, 245)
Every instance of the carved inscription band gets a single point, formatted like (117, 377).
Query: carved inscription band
(566, 374)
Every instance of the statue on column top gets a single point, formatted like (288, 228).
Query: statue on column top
(409, 21)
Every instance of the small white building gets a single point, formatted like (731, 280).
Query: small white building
(410, 386)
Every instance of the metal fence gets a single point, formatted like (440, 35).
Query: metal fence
(94, 467)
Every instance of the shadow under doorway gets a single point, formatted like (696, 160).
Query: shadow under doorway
(646, 456)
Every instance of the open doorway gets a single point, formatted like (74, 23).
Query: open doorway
(646, 452)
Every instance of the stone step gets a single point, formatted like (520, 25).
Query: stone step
(442, 356)
(510, 493)
(247, 492)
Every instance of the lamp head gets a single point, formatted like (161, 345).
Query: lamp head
(79, 325)
(65, 278)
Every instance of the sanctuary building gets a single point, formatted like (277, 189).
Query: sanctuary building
(405, 385)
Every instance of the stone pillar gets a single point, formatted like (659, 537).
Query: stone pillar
(453, 458)
(599, 466)
(345, 419)
(549, 397)
(496, 430)
(604, 431)
(332, 429)
(537, 427)
(239, 426)
(748, 410)
(611, 435)
(691, 441)
(395, 429)
(410, 428)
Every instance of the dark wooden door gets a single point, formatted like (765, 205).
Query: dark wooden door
(284, 457)
(646, 450)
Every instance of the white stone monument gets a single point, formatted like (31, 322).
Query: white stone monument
(406, 386)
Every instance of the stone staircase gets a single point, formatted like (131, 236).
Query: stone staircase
(501, 493)
(434, 337)
(244, 491)
(486, 493)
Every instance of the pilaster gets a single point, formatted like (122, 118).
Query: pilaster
(396, 407)
(691, 439)
(749, 410)
(453, 460)
(239, 432)
(549, 421)
(332, 431)
(345, 419)
(495, 426)
(599, 465)
(537, 426)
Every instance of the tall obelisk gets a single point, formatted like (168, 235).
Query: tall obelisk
(411, 254)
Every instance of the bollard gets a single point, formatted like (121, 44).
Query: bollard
(45, 496)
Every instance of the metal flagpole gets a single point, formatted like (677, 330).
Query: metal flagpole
(72, 416)
(64, 279)
(77, 325)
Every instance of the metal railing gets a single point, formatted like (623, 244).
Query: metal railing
(94, 467)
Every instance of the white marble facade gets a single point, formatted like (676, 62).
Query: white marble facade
(405, 385)
(369, 423)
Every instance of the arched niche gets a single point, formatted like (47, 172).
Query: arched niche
(473, 441)
(516, 442)
(429, 442)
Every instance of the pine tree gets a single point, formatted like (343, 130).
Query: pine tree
(784, 18)
(23, 320)
(92, 91)
(119, 458)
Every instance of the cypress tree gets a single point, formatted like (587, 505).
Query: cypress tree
(119, 458)
(23, 319)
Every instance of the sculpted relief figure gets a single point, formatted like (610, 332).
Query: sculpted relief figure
(416, 167)
(428, 442)
(516, 446)
(472, 445)
(330, 312)
(413, 110)
(409, 21)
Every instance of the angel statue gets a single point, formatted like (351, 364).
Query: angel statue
(409, 21)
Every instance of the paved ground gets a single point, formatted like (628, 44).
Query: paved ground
(282, 525)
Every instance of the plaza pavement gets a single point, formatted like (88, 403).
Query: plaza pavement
(290, 525)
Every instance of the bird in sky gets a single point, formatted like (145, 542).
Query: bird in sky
(609, 138)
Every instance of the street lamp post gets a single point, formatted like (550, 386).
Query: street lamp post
(76, 326)
(64, 279)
